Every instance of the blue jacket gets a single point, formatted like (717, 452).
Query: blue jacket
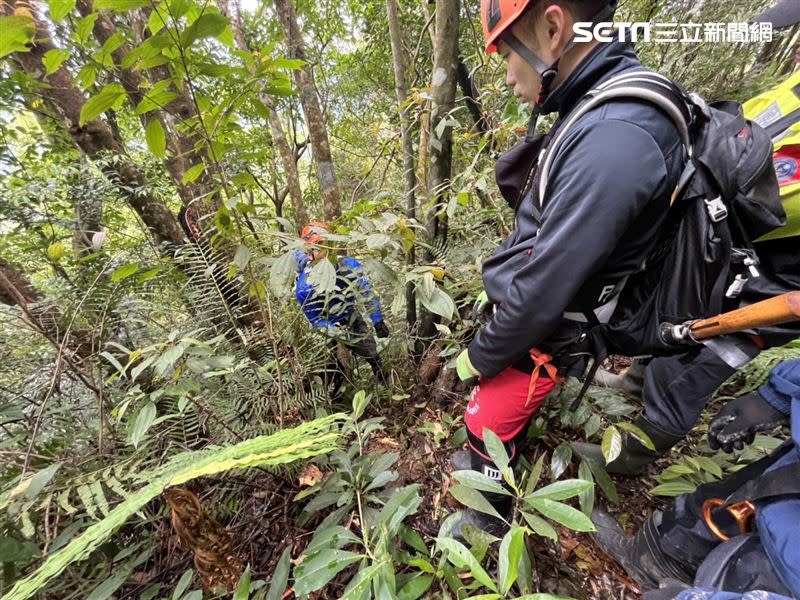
(607, 195)
(778, 521)
(336, 307)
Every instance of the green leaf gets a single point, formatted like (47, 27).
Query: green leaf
(479, 481)
(280, 577)
(144, 420)
(242, 257)
(362, 581)
(439, 303)
(193, 173)
(611, 444)
(156, 21)
(282, 271)
(543, 597)
(401, 504)
(561, 490)
(124, 272)
(602, 479)
(323, 276)
(111, 96)
(18, 32)
(158, 97)
(540, 526)
(415, 587)
(462, 558)
(674, 488)
(86, 76)
(41, 479)
(12, 550)
(84, 27)
(156, 138)
(53, 59)
(60, 8)
(413, 539)
(562, 513)
(207, 25)
(586, 498)
(378, 240)
(560, 460)
(509, 555)
(243, 588)
(183, 584)
(535, 475)
(709, 466)
(638, 434)
(119, 5)
(288, 63)
(473, 499)
(495, 448)
(318, 570)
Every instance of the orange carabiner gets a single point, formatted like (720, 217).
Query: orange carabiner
(742, 512)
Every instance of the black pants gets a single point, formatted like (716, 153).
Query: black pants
(737, 565)
(360, 342)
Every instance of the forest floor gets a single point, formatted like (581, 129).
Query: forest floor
(265, 521)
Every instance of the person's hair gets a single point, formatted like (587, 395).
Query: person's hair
(580, 10)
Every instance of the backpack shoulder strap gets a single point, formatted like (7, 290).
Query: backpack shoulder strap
(642, 85)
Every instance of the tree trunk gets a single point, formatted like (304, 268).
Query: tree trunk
(62, 96)
(409, 175)
(317, 132)
(288, 160)
(445, 64)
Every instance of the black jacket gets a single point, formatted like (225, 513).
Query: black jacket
(607, 194)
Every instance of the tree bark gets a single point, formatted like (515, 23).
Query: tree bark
(94, 138)
(445, 65)
(409, 175)
(317, 132)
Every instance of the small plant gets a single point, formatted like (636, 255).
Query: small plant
(366, 525)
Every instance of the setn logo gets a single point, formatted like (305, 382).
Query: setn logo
(586, 31)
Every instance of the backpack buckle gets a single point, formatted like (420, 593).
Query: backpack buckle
(716, 209)
(736, 287)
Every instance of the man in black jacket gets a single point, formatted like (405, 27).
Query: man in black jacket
(606, 195)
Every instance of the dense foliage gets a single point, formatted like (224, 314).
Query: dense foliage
(135, 360)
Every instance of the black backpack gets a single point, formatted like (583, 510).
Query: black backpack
(726, 198)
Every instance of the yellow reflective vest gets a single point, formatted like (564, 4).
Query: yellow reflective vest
(778, 111)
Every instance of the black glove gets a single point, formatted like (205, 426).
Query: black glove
(381, 330)
(739, 421)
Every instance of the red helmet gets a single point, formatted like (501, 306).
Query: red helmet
(497, 16)
(311, 233)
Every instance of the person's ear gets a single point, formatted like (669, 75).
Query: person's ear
(557, 23)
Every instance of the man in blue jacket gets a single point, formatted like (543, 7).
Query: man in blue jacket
(335, 312)
(699, 540)
(566, 260)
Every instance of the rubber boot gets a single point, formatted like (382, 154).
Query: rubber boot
(630, 382)
(640, 555)
(634, 457)
(480, 461)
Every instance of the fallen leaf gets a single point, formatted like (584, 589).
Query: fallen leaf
(310, 475)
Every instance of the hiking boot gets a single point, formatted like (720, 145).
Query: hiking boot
(634, 457)
(640, 555)
(477, 459)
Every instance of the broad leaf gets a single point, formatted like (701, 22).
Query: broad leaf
(586, 498)
(561, 490)
(496, 449)
(458, 554)
(509, 555)
(17, 33)
(207, 25)
(60, 8)
(479, 481)
(280, 577)
(562, 513)
(612, 444)
(560, 460)
(119, 5)
(540, 526)
(193, 173)
(473, 499)
(415, 587)
(111, 96)
(316, 571)
(638, 434)
(144, 420)
(243, 588)
(156, 138)
(124, 272)
(53, 59)
(674, 488)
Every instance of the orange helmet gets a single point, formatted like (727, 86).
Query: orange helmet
(497, 16)
(311, 232)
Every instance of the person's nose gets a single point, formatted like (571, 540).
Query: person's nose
(510, 81)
